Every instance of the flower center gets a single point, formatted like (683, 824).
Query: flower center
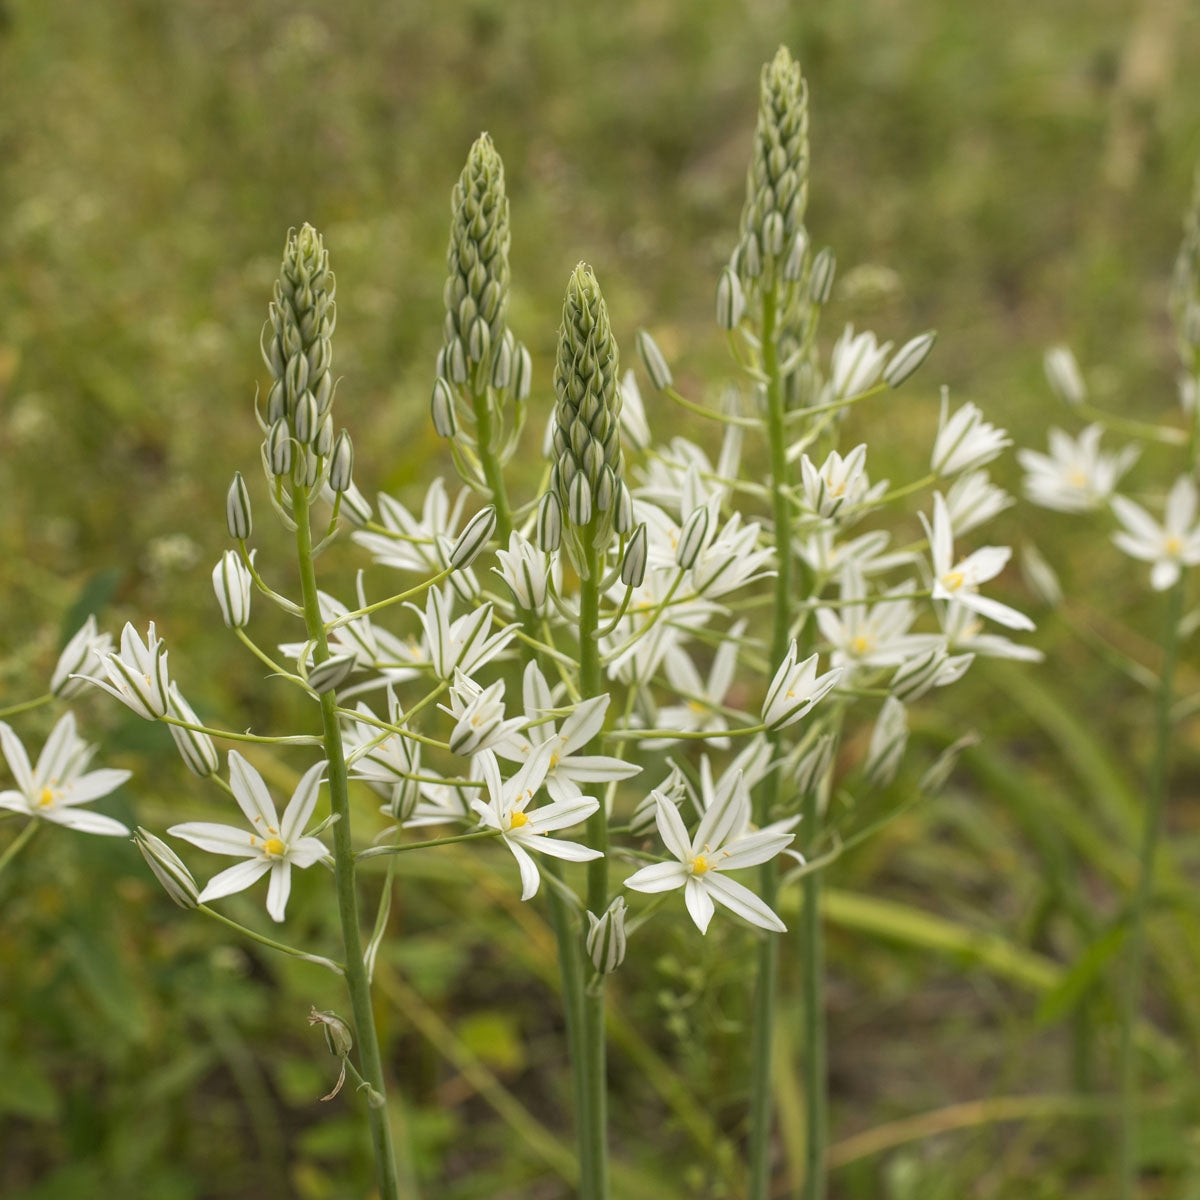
(861, 644)
(953, 580)
(699, 865)
(1173, 545)
(47, 797)
(273, 847)
(517, 819)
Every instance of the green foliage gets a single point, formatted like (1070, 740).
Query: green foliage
(993, 171)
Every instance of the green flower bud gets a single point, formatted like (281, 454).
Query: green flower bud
(777, 179)
(908, 359)
(605, 942)
(587, 434)
(332, 673)
(522, 373)
(323, 442)
(731, 302)
(633, 565)
(341, 463)
(653, 360)
(441, 409)
(169, 869)
(280, 448)
(549, 523)
(476, 291)
(474, 538)
(305, 418)
(820, 279)
(296, 341)
(1184, 300)
(692, 538)
(237, 509)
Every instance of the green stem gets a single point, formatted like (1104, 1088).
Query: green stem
(767, 794)
(1151, 833)
(25, 706)
(343, 854)
(19, 843)
(271, 943)
(492, 471)
(594, 1132)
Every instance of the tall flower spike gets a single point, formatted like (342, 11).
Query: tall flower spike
(476, 291)
(296, 340)
(588, 464)
(777, 181)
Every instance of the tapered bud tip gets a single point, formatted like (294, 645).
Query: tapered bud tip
(549, 523)
(332, 673)
(633, 565)
(168, 868)
(731, 303)
(341, 463)
(909, 358)
(692, 538)
(238, 515)
(474, 537)
(654, 361)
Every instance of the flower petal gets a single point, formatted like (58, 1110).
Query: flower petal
(671, 828)
(303, 801)
(530, 879)
(659, 877)
(699, 902)
(279, 889)
(742, 901)
(18, 760)
(216, 839)
(234, 879)
(252, 795)
(86, 822)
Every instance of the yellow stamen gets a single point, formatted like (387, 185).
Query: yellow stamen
(698, 708)
(47, 798)
(699, 864)
(953, 580)
(553, 761)
(273, 847)
(517, 819)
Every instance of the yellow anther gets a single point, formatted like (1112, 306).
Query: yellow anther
(273, 847)
(553, 762)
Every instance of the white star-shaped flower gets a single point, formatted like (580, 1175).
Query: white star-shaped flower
(59, 784)
(1171, 546)
(720, 844)
(521, 830)
(272, 844)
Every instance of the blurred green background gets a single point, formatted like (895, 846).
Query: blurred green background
(1011, 174)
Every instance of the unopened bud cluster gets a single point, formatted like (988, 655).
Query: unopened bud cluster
(773, 241)
(297, 346)
(587, 476)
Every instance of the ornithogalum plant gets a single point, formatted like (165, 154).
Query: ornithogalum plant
(647, 663)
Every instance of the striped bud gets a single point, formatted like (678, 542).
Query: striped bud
(653, 360)
(341, 463)
(731, 302)
(522, 379)
(909, 358)
(549, 523)
(307, 417)
(1064, 377)
(474, 537)
(332, 673)
(197, 749)
(579, 501)
(888, 741)
(606, 937)
(820, 281)
(238, 515)
(623, 512)
(814, 765)
(692, 538)
(441, 409)
(793, 265)
(633, 565)
(232, 582)
(169, 869)
(502, 364)
(323, 442)
(280, 448)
